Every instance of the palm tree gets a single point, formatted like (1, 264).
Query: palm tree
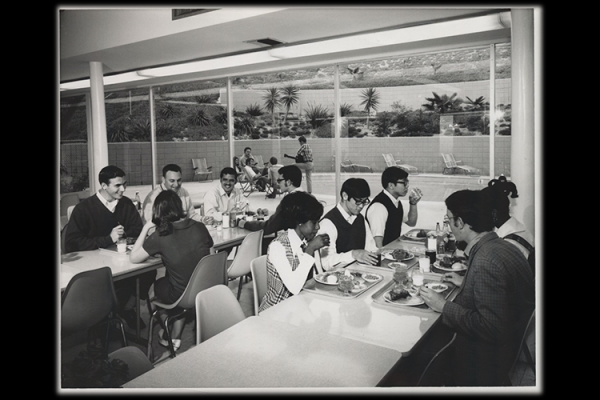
(317, 115)
(200, 118)
(345, 109)
(289, 98)
(478, 104)
(272, 101)
(370, 101)
(442, 104)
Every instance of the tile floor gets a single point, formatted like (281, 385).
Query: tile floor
(430, 212)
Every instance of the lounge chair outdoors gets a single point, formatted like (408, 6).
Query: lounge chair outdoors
(348, 166)
(200, 168)
(452, 165)
(248, 182)
(392, 162)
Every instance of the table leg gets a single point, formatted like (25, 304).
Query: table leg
(138, 313)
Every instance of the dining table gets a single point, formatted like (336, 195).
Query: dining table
(264, 353)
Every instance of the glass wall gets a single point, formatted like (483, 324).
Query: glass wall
(74, 174)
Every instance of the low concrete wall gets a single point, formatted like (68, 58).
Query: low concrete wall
(421, 152)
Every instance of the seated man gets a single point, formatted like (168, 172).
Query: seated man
(223, 197)
(349, 234)
(259, 180)
(273, 172)
(99, 221)
(385, 214)
(171, 180)
(495, 300)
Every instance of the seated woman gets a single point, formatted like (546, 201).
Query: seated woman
(288, 264)
(259, 180)
(238, 168)
(182, 242)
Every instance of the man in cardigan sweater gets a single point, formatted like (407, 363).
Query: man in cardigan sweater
(99, 221)
(495, 300)
(385, 214)
(350, 237)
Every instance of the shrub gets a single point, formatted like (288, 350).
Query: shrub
(325, 131)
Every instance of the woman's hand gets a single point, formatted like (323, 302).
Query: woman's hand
(316, 243)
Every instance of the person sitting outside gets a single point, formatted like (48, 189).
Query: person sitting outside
(181, 242)
(385, 214)
(260, 181)
(495, 300)
(272, 173)
(351, 238)
(291, 256)
(223, 197)
(98, 222)
(171, 180)
(238, 168)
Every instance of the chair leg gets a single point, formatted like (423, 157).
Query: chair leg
(149, 352)
(241, 278)
(165, 326)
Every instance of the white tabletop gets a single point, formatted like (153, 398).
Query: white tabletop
(227, 237)
(263, 353)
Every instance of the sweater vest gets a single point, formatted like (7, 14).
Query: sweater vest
(350, 237)
(393, 225)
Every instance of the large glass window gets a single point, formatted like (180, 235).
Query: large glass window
(74, 174)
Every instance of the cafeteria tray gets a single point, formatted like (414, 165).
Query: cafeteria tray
(332, 290)
(378, 295)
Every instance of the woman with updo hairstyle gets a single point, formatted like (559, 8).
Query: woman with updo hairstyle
(291, 256)
(181, 242)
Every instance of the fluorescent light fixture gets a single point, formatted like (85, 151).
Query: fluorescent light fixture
(364, 41)
(403, 35)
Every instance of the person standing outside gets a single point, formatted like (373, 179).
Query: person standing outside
(349, 234)
(171, 180)
(305, 154)
(385, 214)
(223, 197)
(495, 300)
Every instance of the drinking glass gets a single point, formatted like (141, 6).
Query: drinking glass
(417, 277)
(345, 284)
(424, 264)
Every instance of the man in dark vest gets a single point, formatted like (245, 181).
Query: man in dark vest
(349, 234)
(385, 214)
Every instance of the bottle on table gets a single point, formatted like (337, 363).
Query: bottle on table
(441, 243)
(449, 238)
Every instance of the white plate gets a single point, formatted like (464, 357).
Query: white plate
(407, 301)
(438, 266)
(413, 234)
(322, 278)
(387, 254)
(371, 277)
(436, 286)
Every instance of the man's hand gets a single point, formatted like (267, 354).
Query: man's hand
(432, 298)
(117, 232)
(415, 196)
(365, 257)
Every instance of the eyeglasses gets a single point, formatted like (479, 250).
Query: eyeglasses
(279, 180)
(405, 182)
(362, 202)
(447, 218)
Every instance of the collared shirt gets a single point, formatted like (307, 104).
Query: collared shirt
(111, 205)
(378, 214)
(329, 255)
(306, 152)
(186, 200)
(216, 200)
(513, 225)
(244, 159)
(473, 242)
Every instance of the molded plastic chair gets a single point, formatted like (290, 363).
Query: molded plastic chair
(200, 168)
(453, 165)
(258, 269)
(250, 249)
(216, 310)
(70, 199)
(523, 348)
(435, 357)
(392, 162)
(136, 360)
(89, 301)
(63, 236)
(210, 271)
(348, 166)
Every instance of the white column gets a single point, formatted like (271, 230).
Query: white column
(153, 137)
(523, 116)
(229, 123)
(98, 157)
(338, 129)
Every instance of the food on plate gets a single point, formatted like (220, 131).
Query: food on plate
(422, 233)
(458, 265)
(450, 261)
(400, 254)
(403, 283)
(371, 277)
(398, 292)
(438, 287)
(331, 278)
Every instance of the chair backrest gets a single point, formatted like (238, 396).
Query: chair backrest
(449, 160)
(210, 271)
(63, 236)
(389, 160)
(259, 161)
(69, 212)
(529, 330)
(136, 360)
(258, 268)
(71, 199)
(250, 249)
(216, 310)
(88, 299)
(199, 165)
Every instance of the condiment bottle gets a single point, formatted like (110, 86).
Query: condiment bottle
(441, 244)
(225, 220)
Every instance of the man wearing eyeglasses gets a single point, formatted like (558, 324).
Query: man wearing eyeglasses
(349, 235)
(385, 214)
(495, 300)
